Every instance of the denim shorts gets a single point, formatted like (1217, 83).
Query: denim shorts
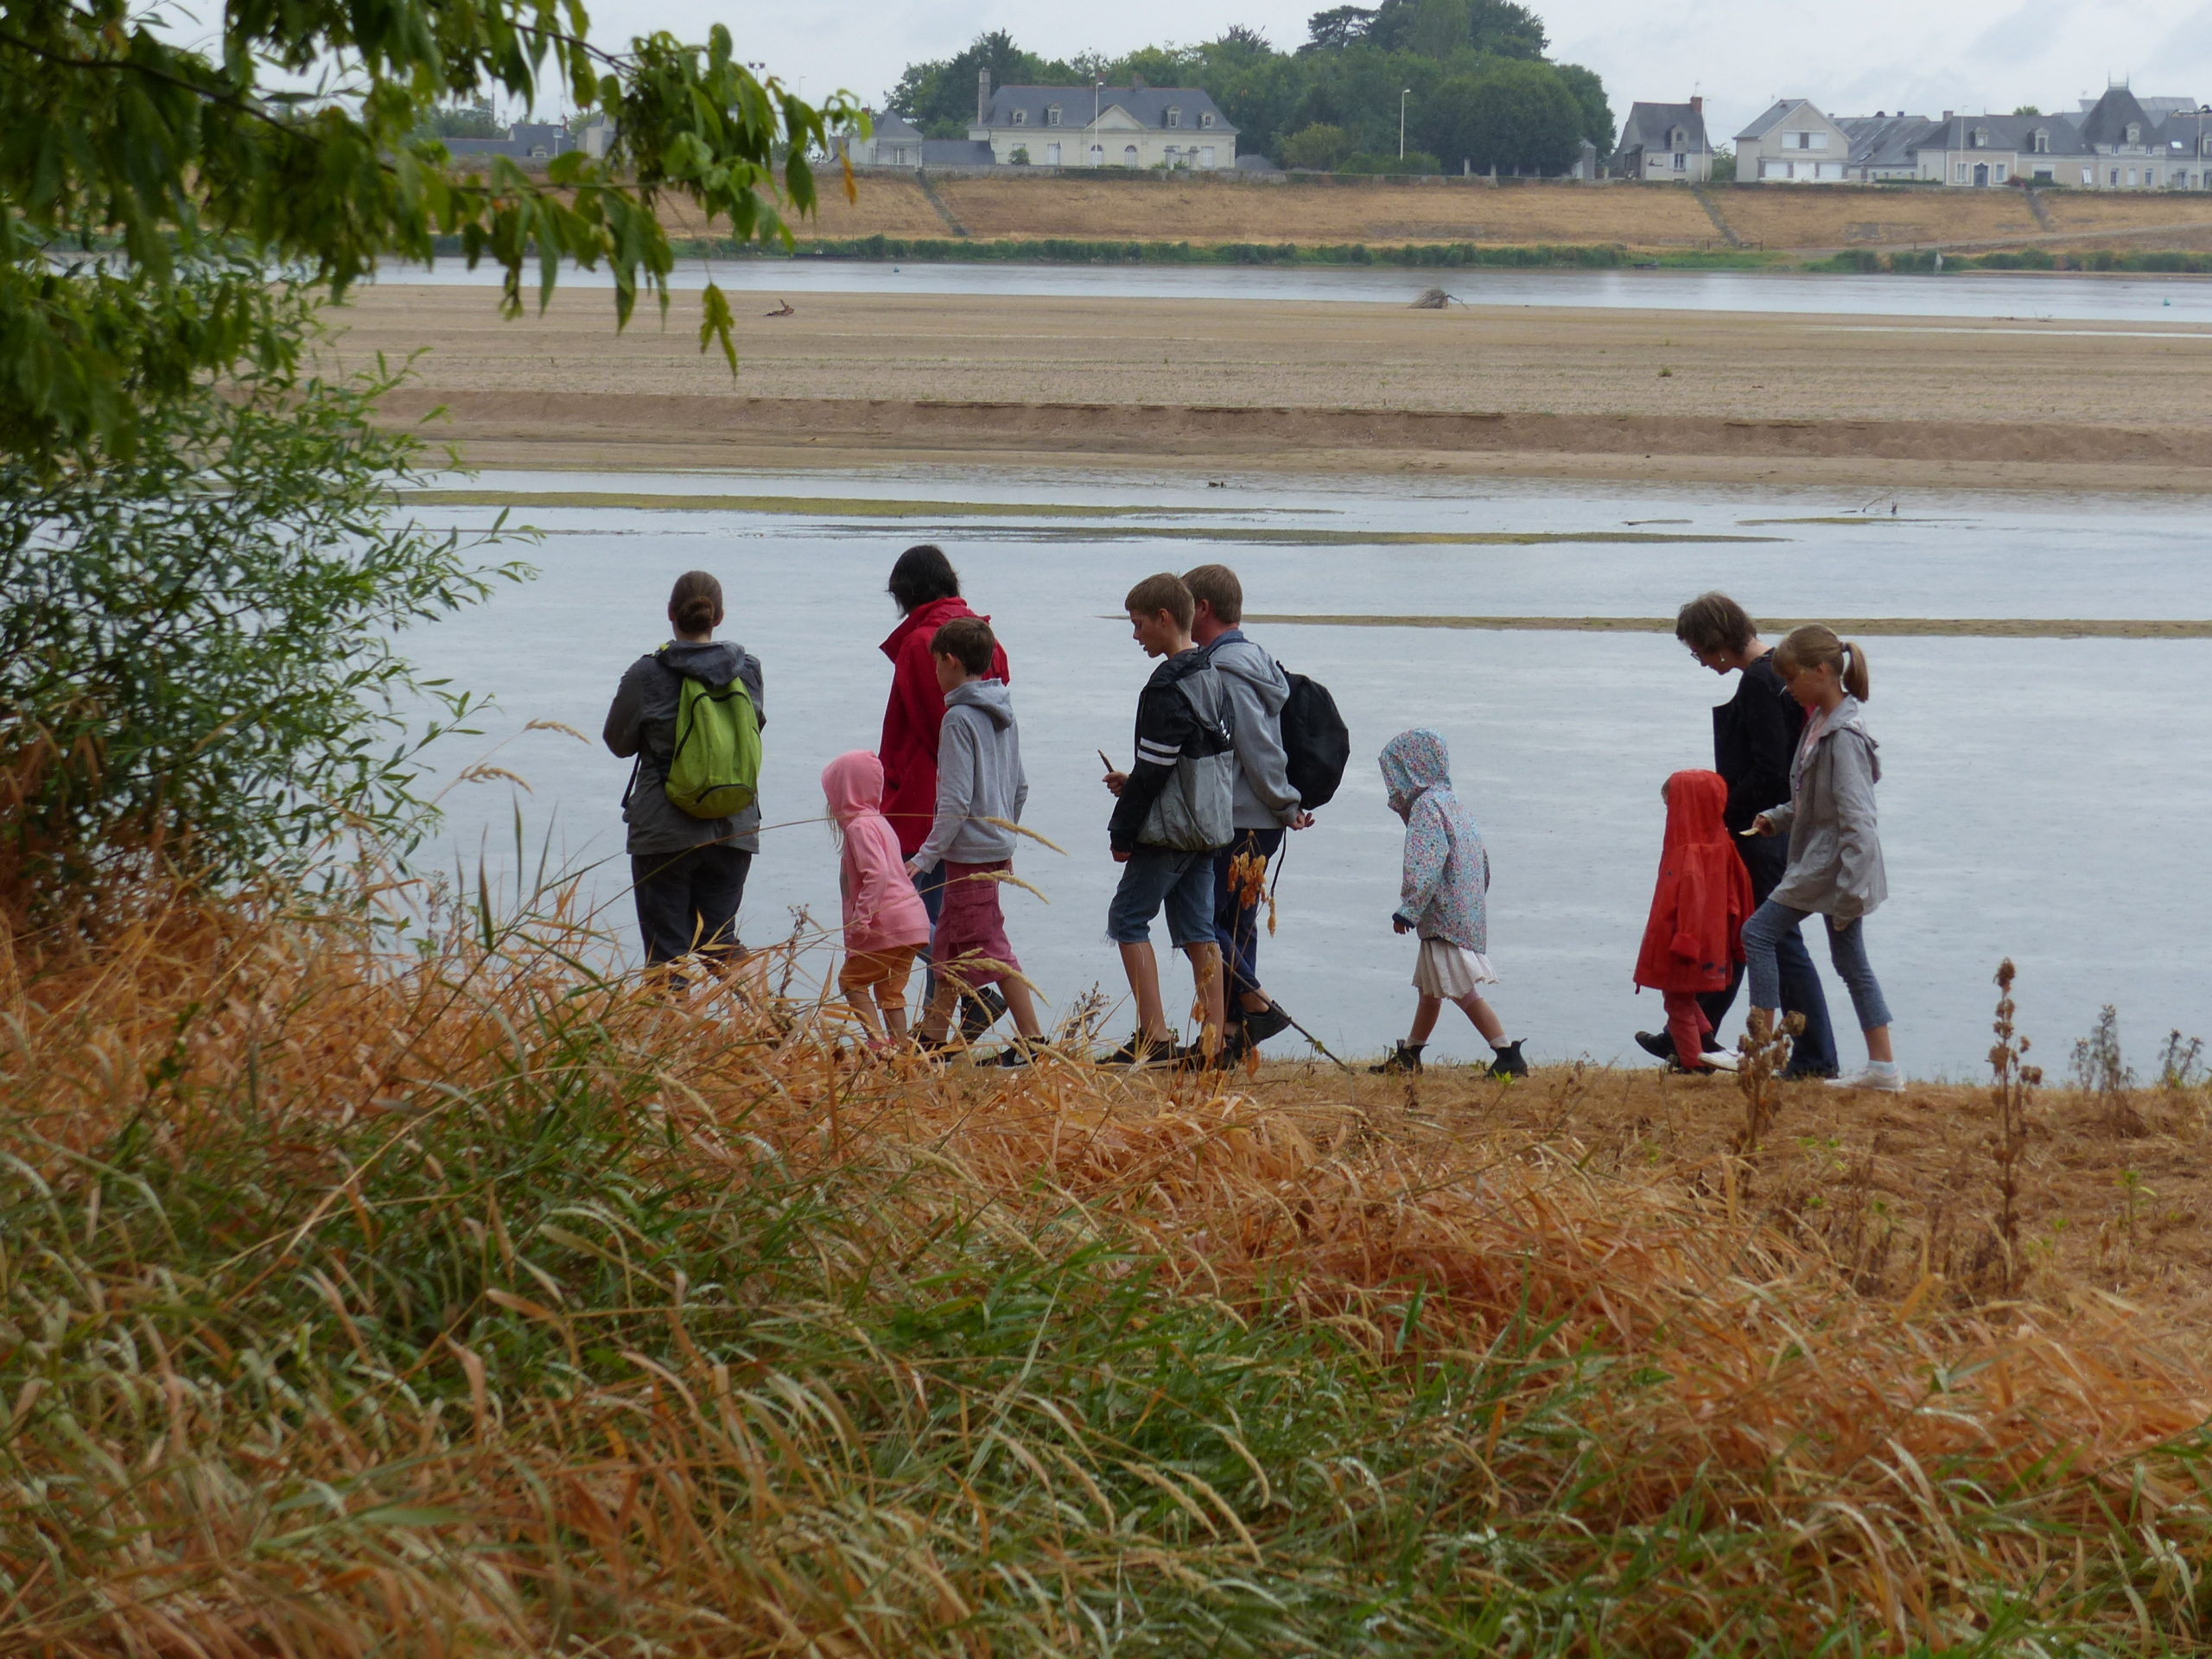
(1155, 875)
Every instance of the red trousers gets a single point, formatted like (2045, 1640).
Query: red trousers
(1687, 1024)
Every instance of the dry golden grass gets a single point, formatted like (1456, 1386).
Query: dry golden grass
(1832, 216)
(470, 1300)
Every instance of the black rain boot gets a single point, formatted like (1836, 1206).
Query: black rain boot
(1403, 1058)
(1508, 1062)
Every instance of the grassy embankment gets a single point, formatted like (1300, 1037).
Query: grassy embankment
(469, 1300)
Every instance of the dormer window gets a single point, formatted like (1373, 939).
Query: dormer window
(1679, 138)
(2042, 143)
(2134, 133)
(1206, 120)
(1174, 116)
(1021, 117)
(1978, 139)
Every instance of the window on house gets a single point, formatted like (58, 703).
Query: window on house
(1052, 115)
(1682, 161)
(1205, 156)
(1174, 116)
(1051, 155)
(2089, 175)
(2115, 175)
(1997, 174)
(1021, 117)
(1962, 173)
(1978, 139)
(1206, 120)
(1098, 154)
(2042, 143)
(1129, 155)
(1678, 139)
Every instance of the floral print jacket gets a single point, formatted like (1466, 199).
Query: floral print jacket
(1444, 893)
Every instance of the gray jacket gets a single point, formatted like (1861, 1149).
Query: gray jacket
(979, 776)
(1257, 688)
(641, 721)
(1835, 850)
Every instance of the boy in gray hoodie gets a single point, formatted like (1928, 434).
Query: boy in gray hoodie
(979, 780)
(1264, 804)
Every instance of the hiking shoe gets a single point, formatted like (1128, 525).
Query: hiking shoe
(1880, 1074)
(979, 1011)
(1139, 1052)
(1018, 1052)
(1404, 1059)
(1270, 1022)
(1659, 1045)
(1192, 1057)
(1508, 1062)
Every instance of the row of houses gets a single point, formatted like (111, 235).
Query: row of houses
(2118, 141)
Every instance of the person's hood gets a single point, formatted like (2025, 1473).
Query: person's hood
(1696, 802)
(925, 620)
(1414, 763)
(989, 696)
(710, 662)
(852, 785)
(1232, 653)
(1850, 715)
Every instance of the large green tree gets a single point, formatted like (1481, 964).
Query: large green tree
(1514, 116)
(148, 172)
(939, 97)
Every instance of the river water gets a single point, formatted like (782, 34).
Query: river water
(2042, 798)
(2153, 301)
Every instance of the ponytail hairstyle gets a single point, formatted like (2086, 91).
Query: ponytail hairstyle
(1814, 646)
(695, 606)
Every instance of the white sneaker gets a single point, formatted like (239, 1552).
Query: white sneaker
(1718, 1059)
(1881, 1075)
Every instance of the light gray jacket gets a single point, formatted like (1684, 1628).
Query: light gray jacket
(979, 776)
(1835, 849)
(1257, 688)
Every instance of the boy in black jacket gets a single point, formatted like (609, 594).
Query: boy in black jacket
(1173, 811)
(1754, 743)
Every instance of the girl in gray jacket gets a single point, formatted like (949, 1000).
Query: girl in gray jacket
(1836, 852)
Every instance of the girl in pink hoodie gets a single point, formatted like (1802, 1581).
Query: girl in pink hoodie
(885, 927)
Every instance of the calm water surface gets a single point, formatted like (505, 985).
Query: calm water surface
(2042, 798)
(2154, 302)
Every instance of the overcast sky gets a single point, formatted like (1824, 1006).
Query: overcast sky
(1879, 55)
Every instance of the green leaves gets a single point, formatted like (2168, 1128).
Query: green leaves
(147, 189)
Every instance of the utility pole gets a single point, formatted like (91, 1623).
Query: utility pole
(1401, 122)
(1097, 156)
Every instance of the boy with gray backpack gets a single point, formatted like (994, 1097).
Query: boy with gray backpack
(1173, 812)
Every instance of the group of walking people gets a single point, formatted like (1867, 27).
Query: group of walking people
(1782, 827)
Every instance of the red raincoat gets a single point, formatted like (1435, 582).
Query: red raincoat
(1695, 935)
(911, 718)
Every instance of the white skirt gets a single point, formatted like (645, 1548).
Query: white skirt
(1450, 971)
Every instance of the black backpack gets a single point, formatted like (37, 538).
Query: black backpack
(1316, 746)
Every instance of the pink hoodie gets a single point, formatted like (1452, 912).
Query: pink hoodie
(882, 910)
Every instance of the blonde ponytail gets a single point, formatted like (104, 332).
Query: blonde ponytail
(1814, 646)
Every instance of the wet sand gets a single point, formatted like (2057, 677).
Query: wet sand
(1244, 385)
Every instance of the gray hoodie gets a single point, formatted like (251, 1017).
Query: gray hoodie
(1835, 851)
(641, 721)
(1257, 689)
(979, 776)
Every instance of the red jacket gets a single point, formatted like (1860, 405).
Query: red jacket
(1695, 935)
(911, 718)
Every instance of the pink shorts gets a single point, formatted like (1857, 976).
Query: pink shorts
(970, 945)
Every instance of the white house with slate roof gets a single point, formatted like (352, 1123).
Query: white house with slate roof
(1664, 141)
(1792, 143)
(1136, 126)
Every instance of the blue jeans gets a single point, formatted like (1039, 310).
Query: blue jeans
(1236, 927)
(1163, 875)
(1772, 923)
(1814, 1050)
(687, 900)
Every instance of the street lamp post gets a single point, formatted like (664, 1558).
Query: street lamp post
(1097, 156)
(1401, 122)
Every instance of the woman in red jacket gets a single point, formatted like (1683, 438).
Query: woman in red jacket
(927, 590)
(1694, 935)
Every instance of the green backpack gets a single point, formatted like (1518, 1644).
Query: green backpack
(715, 771)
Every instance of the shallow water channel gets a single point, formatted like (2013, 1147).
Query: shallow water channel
(2026, 296)
(2044, 797)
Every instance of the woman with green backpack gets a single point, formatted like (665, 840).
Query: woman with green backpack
(691, 714)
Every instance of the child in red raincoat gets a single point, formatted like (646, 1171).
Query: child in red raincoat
(1695, 938)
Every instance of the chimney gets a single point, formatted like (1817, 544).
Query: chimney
(1946, 115)
(1697, 104)
(983, 97)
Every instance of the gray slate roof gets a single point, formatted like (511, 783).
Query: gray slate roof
(957, 152)
(1770, 119)
(2108, 123)
(1148, 104)
(894, 126)
(1884, 140)
(1649, 124)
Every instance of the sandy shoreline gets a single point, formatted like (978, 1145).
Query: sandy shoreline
(854, 380)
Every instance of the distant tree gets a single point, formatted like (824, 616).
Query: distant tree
(1320, 146)
(1496, 28)
(1517, 118)
(1239, 37)
(1505, 29)
(1019, 155)
(1440, 27)
(1337, 27)
(460, 121)
(1589, 94)
(1724, 166)
(939, 97)
(2027, 108)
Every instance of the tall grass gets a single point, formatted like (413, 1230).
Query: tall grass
(485, 1301)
